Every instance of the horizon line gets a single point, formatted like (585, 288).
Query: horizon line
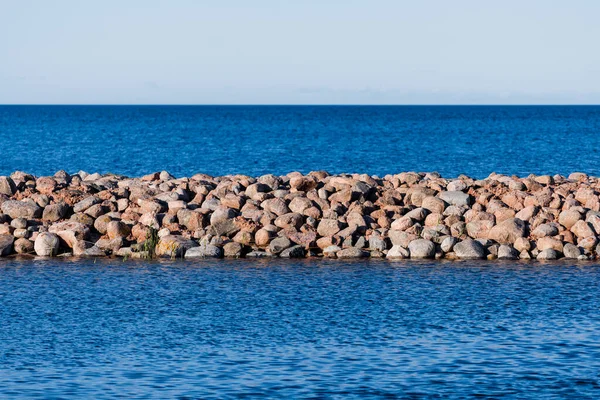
(305, 104)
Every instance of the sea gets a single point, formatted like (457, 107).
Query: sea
(257, 140)
(295, 329)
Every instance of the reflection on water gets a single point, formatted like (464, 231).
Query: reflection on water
(298, 329)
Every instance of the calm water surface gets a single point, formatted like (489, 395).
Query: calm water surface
(256, 140)
(298, 329)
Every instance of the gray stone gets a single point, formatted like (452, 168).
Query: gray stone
(19, 223)
(7, 186)
(397, 252)
(86, 203)
(222, 214)
(469, 250)
(448, 244)
(352, 252)
(421, 248)
(23, 246)
(204, 251)
(55, 212)
(6, 245)
(331, 251)
(279, 244)
(507, 252)
(258, 254)
(46, 244)
(544, 230)
(226, 227)
(70, 231)
(571, 251)
(548, 254)
(377, 243)
(361, 242)
(21, 209)
(293, 252)
(455, 197)
(233, 250)
(92, 252)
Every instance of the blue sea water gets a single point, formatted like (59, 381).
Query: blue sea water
(255, 140)
(296, 329)
(309, 328)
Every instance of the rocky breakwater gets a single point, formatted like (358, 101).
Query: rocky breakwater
(408, 215)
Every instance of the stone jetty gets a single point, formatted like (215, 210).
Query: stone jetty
(345, 216)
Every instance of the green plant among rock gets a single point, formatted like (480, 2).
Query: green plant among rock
(150, 243)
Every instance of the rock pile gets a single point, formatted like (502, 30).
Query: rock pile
(408, 215)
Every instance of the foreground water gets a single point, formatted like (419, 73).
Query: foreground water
(257, 140)
(298, 329)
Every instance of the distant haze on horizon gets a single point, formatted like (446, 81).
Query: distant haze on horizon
(308, 52)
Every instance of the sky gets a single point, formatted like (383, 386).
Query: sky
(299, 52)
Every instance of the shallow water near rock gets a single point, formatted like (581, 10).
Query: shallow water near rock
(290, 329)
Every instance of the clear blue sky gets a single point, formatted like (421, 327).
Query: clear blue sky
(309, 51)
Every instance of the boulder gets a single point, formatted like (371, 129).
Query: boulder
(544, 230)
(507, 252)
(293, 252)
(401, 238)
(23, 246)
(455, 197)
(258, 254)
(547, 254)
(19, 223)
(222, 214)
(204, 251)
(279, 244)
(173, 246)
(421, 248)
(101, 223)
(307, 239)
(377, 243)
(112, 245)
(70, 231)
(469, 249)
(225, 227)
(331, 251)
(55, 212)
(582, 229)
(86, 203)
(549, 243)
(46, 244)
(328, 227)
(289, 221)
(6, 245)
(448, 244)
(117, 229)
(571, 251)
(21, 209)
(233, 250)
(264, 235)
(92, 251)
(508, 231)
(397, 252)
(568, 218)
(433, 204)
(352, 252)
(7, 186)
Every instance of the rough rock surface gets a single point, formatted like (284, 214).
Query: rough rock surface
(406, 215)
(469, 249)
(46, 244)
